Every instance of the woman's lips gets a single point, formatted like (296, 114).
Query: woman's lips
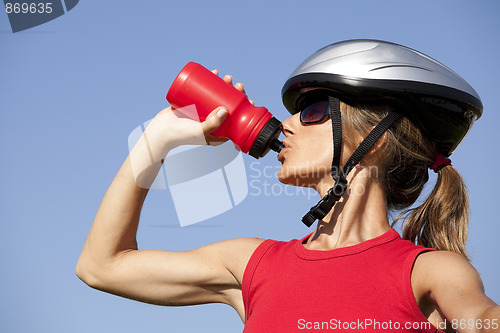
(280, 155)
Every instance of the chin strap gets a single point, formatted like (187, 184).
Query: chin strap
(334, 194)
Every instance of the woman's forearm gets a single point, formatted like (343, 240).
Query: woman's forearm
(114, 229)
(115, 226)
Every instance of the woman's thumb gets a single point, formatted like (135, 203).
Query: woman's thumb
(214, 120)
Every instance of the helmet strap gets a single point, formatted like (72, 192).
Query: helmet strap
(321, 209)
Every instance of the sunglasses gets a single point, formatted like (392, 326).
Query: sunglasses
(315, 113)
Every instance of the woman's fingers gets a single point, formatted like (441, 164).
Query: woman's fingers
(240, 87)
(229, 80)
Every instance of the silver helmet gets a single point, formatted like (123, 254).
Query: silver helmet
(434, 97)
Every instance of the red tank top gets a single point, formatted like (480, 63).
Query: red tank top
(361, 288)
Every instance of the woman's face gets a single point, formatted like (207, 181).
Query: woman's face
(308, 153)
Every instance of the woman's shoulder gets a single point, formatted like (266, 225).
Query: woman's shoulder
(449, 285)
(238, 249)
(437, 272)
(236, 252)
(442, 262)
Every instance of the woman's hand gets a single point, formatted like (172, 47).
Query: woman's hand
(171, 128)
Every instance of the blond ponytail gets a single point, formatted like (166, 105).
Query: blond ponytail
(441, 221)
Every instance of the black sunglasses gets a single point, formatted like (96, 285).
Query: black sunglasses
(315, 113)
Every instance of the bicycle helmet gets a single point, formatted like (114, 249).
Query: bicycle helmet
(435, 98)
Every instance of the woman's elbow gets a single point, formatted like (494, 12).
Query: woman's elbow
(90, 276)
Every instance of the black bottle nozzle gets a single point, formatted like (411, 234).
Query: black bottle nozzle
(277, 146)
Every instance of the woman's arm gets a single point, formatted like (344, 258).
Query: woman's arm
(451, 283)
(110, 259)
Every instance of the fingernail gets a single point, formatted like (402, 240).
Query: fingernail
(222, 112)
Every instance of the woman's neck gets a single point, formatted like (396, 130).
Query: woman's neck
(360, 215)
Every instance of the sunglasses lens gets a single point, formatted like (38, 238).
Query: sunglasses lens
(314, 113)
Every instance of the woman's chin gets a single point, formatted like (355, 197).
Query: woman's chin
(284, 177)
(292, 178)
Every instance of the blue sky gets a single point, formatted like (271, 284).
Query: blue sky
(74, 88)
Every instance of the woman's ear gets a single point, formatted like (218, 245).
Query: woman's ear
(378, 145)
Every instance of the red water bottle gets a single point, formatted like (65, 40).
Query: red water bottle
(252, 128)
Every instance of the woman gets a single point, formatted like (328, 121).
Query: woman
(354, 272)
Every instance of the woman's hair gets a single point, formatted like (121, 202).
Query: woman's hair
(404, 159)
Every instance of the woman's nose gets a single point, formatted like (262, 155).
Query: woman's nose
(289, 125)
